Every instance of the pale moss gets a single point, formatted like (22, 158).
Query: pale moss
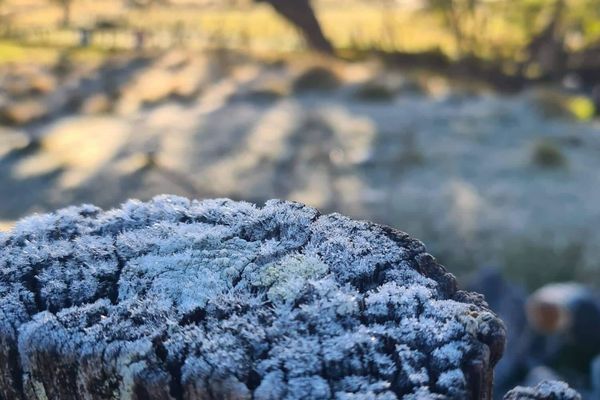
(287, 277)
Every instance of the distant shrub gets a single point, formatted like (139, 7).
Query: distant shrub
(64, 65)
(581, 107)
(265, 95)
(374, 91)
(317, 79)
(553, 104)
(263, 92)
(548, 154)
(413, 87)
(533, 264)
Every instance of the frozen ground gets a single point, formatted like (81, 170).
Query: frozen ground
(483, 179)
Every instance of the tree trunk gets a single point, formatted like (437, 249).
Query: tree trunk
(66, 19)
(301, 14)
(547, 48)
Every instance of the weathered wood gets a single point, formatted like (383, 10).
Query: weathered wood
(173, 299)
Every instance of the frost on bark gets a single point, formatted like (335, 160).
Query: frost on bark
(178, 299)
(546, 390)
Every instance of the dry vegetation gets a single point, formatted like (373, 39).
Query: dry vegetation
(495, 29)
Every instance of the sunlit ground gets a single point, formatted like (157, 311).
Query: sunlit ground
(482, 178)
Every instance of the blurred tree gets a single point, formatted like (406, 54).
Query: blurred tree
(458, 16)
(546, 49)
(66, 10)
(544, 52)
(301, 14)
(3, 18)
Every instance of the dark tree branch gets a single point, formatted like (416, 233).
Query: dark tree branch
(301, 14)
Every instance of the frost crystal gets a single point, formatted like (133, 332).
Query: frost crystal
(546, 390)
(179, 299)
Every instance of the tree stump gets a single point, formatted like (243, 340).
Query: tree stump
(216, 299)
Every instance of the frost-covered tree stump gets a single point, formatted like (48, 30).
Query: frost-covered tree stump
(173, 299)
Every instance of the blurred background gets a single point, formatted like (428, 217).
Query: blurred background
(471, 124)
